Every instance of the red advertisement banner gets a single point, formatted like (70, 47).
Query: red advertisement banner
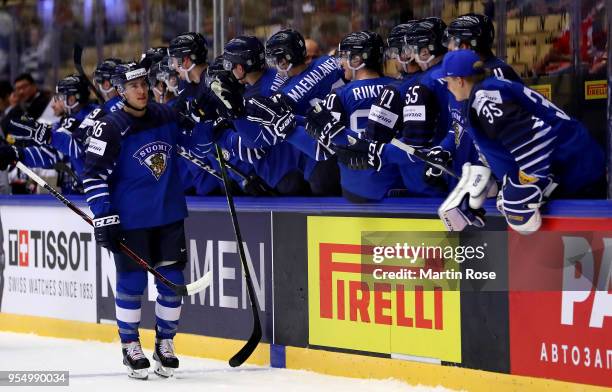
(566, 333)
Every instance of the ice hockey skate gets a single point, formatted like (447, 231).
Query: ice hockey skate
(164, 357)
(135, 360)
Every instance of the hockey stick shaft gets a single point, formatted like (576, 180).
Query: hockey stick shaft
(240, 174)
(179, 289)
(246, 351)
(423, 157)
(185, 154)
(78, 55)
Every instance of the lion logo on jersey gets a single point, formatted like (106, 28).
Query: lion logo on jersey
(155, 157)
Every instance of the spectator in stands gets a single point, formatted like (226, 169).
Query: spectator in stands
(32, 100)
(313, 51)
(6, 103)
(5, 97)
(35, 58)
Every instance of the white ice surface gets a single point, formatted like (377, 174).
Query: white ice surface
(96, 366)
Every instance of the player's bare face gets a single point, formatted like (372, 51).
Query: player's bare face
(459, 87)
(137, 93)
(239, 73)
(57, 105)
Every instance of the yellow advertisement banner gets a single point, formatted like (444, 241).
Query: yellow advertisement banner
(347, 310)
(544, 89)
(596, 89)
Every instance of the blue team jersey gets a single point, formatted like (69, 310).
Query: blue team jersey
(113, 104)
(351, 105)
(459, 142)
(385, 122)
(279, 159)
(425, 111)
(131, 168)
(304, 91)
(312, 85)
(523, 135)
(385, 119)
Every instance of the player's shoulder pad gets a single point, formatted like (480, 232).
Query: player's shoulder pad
(111, 125)
(501, 70)
(491, 91)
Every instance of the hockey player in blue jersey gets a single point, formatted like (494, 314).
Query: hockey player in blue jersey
(409, 109)
(529, 144)
(425, 110)
(187, 55)
(244, 56)
(65, 136)
(113, 102)
(134, 191)
(164, 82)
(102, 77)
(361, 57)
(476, 32)
(400, 54)
(308, 84)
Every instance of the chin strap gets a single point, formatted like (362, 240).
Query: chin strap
(105, 91)
(186, 71)
(284, 72)
(425, 64)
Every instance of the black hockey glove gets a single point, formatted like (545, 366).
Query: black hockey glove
(272, 113)
(360, 154)
(107, 230)
(255, 186)
(229, 92)
(9, 155)
(26, 129)
(321, 125)
(433, 176)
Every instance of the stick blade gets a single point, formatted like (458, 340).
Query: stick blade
(200, 284)
(245, 352)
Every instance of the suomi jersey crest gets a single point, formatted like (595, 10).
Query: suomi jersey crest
(155, 157)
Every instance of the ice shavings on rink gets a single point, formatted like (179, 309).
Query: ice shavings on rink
(96, 366)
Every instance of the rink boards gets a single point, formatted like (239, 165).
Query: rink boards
(536, 323)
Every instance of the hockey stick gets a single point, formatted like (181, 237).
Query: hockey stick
(240, 174)
(62, 167)
(179, 289)
(246, 351)
(416, 153)
(77, 56)
(185, 154)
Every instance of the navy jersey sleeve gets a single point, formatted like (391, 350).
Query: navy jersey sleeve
(63, 138)
(385, 119)
(43, 157)
(100, 158)
(420, 114)
(254, 134)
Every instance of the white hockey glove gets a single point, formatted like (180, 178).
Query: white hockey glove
(463, 206)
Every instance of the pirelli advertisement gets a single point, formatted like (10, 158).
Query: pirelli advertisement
(349, 310)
